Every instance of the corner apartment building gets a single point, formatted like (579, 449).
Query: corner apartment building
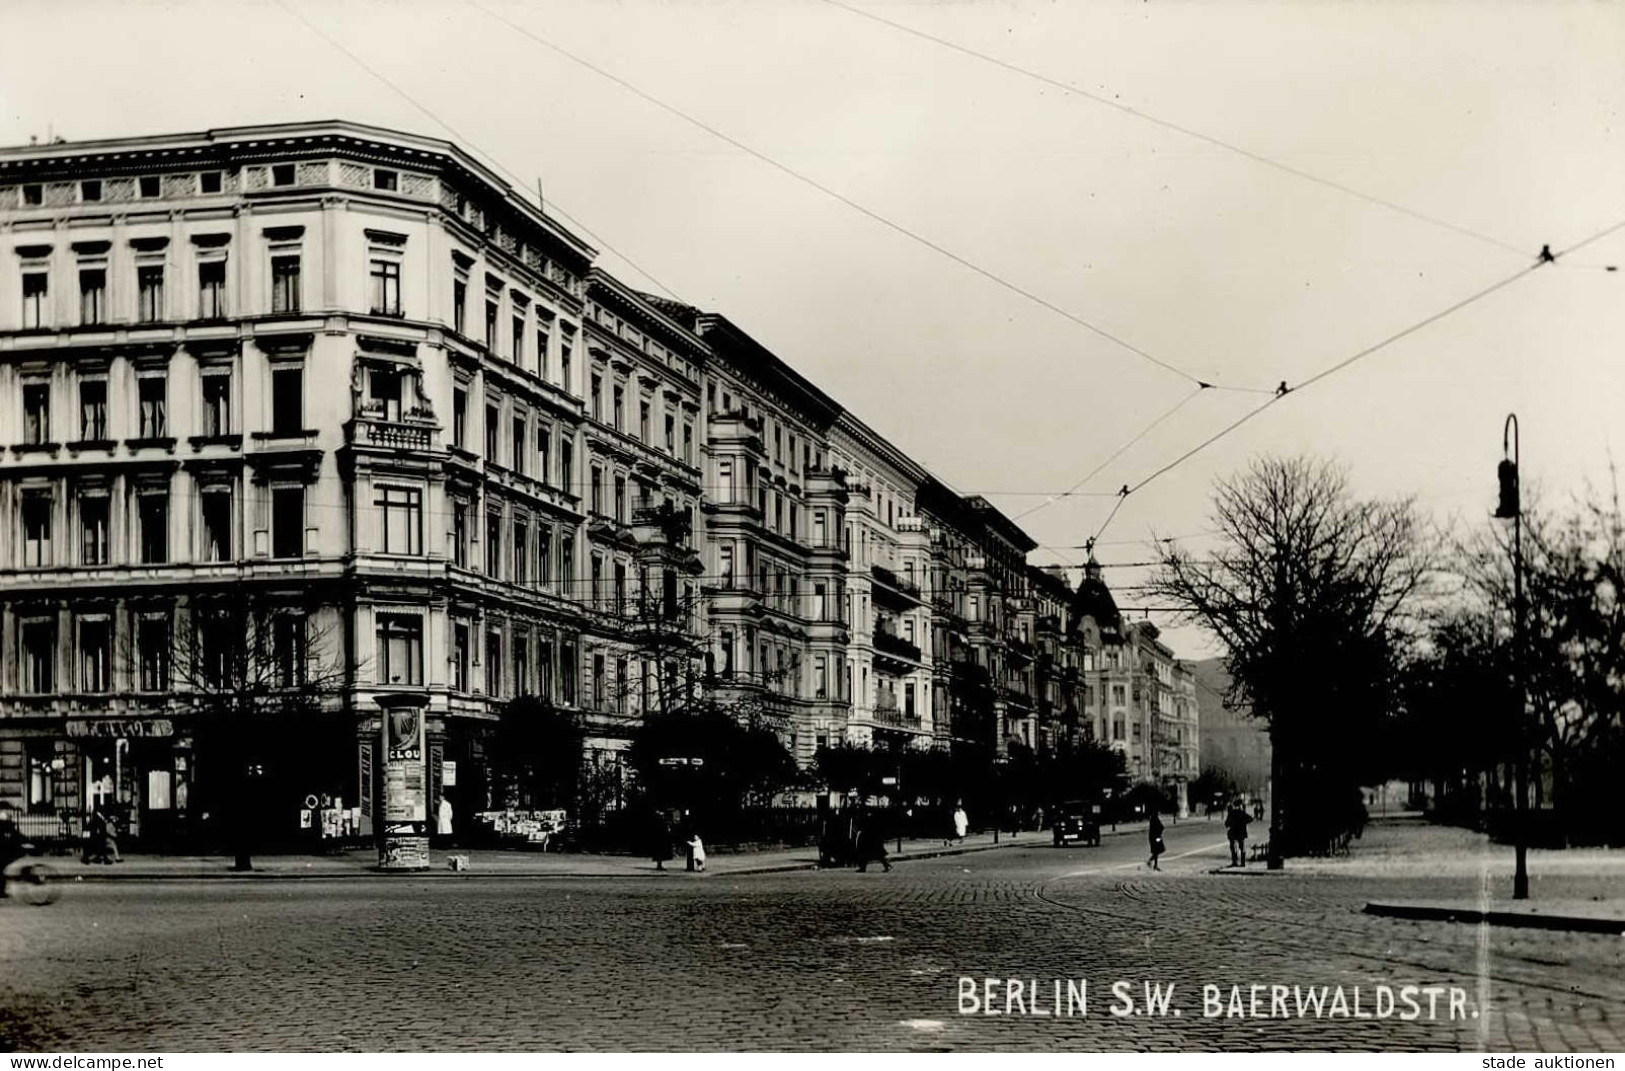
(348, 378)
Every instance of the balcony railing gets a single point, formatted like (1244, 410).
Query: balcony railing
(895, 645)
(393, 434)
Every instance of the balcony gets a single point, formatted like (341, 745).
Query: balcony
(887, 643)
(404, 434)
(892, 589)
(888, 713)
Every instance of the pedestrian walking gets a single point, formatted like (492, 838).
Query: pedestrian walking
(101, 840)
(1258, 810)
(443, 817)
(696, 853)
(660, 840)
(1157, 846)
(871, 841)
(1235, 828)
(961, 823)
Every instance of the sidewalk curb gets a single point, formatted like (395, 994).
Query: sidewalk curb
(1512, 919)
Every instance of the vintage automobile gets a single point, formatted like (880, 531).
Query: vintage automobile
(1077, 823)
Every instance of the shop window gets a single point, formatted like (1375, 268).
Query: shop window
(38, 656)
(149, 280)
(41, 779)
(153, 511)
(95, 655)
(401, 512)
(400, 649)
(153, 394)
(288, 522)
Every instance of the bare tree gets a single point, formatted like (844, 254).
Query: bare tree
(250, 674)
(1312, 592)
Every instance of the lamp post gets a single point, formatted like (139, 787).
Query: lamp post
(1511, 508)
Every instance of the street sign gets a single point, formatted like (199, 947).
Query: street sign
(674, 762)
(888, 780)
(696, 762)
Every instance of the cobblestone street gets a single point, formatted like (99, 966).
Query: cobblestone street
(781, 961)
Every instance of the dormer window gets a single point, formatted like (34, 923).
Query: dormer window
(385, 179)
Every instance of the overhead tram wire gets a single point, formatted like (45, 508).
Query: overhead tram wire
(1114, 456)
(463, 139)
(860, 208)
(1338, 366)
(1168, 124)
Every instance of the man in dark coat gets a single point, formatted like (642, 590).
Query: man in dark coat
(1235, 827)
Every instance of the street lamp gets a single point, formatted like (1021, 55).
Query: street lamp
(1510, 508)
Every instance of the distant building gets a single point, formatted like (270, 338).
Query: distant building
(1233, 742)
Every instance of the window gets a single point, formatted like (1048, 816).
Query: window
(209, 182)
(491, 309)
(385, 285)
(93, 516)
(459, 534)
(671, 434)
(153, 509)
(521, 551)
(36, 511)
(521, 437)
(287, 401)
(521, 664)
(597, 493)
(288, 522)
(908, 699)
(288, 649)
(211, 279)
(567, 674)
(459, 657)
(493, 662)
(726, 642)
(282, 175)
(215, 507)
(95, 655)
(493, 420)
(688, 444)
(385, 179)
(400, 649)
(620, 685)
(41, 780)
(567, 466)
(820, 677)
(564, 364)
(620, 498)
(544, 554)
(93, 410)
(38, 657)
(149, 281)
(33, 194)
(643, 422)
(92, 295)
(459, 306)
(620, 588)
(493, 543)
(544, 452)
(725, 480)
(620, 407)
(149, 186)
(217, 404)
(285, 284)
(542, 340)
(1119, 695)
(725, 564)
(596, 399)
(401, 519)
(518, 340)
(459, 417)
(36, 287)
(567, 562)
(90, 190)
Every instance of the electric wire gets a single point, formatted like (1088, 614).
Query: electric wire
(856, 206)
(465, 140)
(1068, 87)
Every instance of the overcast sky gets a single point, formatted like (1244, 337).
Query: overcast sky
(1500, 119)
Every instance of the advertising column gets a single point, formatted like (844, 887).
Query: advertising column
(403, 840)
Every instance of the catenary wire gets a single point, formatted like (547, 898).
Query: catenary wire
(1068, 87)
(463, 139)
(1339, 366)
(856, 206)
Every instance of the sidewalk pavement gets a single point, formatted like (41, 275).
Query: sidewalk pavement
(493, 863)
(1578, 916)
